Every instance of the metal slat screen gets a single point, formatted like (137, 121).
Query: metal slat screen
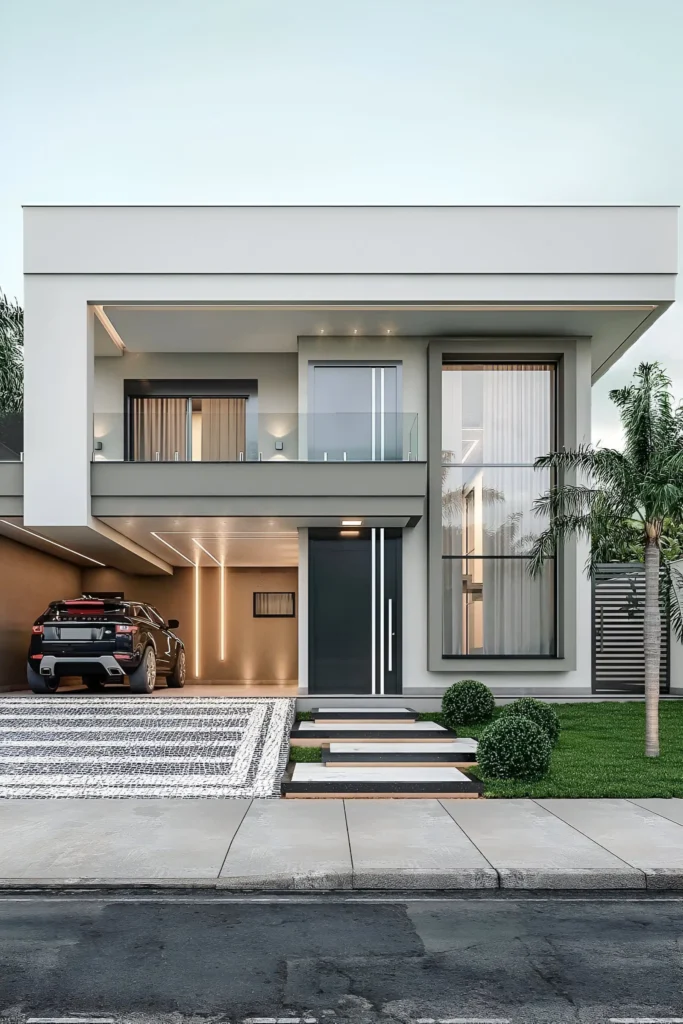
(618, 642)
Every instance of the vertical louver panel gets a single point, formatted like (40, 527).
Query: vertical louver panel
(618, 642)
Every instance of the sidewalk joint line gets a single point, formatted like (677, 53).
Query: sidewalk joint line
(471, 840)
(634, 801)
(348, 839)
(590, 840)
(220, 870)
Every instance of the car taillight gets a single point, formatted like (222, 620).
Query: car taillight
(37, 629)
(36, 655)
(126, 629)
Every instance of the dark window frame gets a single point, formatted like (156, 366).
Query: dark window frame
(555, 365)
(188, 387)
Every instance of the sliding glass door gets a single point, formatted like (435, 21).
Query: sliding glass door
(354, 413)
(187, 429)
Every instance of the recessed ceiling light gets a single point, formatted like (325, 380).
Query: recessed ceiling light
(352, 522)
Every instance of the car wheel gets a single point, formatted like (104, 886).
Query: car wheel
(177, 676)
(93, 683)
(41, 684)
(144, 677)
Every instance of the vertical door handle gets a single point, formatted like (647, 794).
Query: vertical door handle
(390, 645)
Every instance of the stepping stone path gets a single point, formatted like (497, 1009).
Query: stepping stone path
(381, 753)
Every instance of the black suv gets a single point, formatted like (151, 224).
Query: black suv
(102, 640)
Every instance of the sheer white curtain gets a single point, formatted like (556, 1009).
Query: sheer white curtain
(497, 419)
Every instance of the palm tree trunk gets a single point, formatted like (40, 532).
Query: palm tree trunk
(652, 638)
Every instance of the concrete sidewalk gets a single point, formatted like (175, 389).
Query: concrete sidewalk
(344, 844)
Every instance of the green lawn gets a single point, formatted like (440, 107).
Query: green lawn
(599, 754)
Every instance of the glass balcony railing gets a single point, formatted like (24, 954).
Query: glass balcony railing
(11, 437)
(262, 437)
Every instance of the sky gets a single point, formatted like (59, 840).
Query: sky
(345, 101)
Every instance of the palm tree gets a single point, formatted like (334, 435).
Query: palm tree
(621, 493)
(11, 355)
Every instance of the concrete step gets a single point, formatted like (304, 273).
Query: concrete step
(365, 714)
(454, 753)
(316, 734)
(315, 780)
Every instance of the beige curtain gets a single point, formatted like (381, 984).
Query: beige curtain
(159, 425)
(223, 429)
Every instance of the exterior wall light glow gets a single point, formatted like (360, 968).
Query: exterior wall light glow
(349, 533)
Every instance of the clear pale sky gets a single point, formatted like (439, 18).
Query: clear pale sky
(344, 101)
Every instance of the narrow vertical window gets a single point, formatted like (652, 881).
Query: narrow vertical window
(496, 419)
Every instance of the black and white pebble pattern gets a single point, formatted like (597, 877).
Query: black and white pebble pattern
(98, 746)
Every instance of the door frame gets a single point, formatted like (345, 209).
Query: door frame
(385, 579)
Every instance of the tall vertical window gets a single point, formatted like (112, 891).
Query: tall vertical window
(496, 419)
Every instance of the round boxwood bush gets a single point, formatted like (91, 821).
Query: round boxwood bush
(513, 747)
(466, 702)
(544, 715)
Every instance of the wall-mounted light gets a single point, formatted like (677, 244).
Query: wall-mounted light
(98, 446)
(352, 522)
(349, 533)
(279, 446)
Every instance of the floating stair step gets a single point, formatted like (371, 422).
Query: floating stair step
(315, 780)
(364, 714)
(314, 734)
(454, 753)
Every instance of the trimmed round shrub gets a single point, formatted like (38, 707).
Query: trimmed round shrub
(466, 702)
(514, 748)
(544, 715)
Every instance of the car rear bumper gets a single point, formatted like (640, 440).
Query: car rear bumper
(105, 665)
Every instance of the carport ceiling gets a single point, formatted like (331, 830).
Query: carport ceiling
(266, 543)
(277, 328)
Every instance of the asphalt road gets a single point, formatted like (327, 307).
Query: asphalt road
(172, 957)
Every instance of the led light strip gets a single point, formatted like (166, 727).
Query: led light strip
(196, 621)
(213, 557)
(63, 547)
(222, 614)
(172, 548)
(221, 605)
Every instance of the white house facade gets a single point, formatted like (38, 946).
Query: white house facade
(308, 433)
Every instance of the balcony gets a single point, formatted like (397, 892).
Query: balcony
(219, 430)
(311, 466)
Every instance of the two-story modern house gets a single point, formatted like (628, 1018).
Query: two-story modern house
(308, 433)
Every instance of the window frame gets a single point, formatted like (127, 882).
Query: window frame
(572, 356)
(480, 363)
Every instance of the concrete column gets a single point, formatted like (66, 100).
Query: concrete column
(58, 352)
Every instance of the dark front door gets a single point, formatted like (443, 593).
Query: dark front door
(354, 617)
